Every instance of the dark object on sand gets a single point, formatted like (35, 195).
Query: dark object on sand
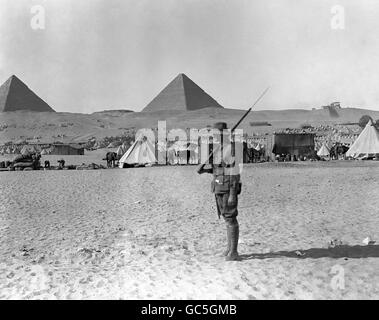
(27, 161)
(61, 164)
(91, 166)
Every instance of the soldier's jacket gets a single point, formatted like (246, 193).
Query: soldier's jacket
(224, 183)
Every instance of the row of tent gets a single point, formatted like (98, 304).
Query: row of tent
(179, 152)
(367, 144)
(142, 151)
(25, 150)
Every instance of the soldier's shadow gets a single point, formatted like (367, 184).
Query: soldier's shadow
(342, 251)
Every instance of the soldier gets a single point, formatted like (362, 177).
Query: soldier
(226, 188)
(61, 164)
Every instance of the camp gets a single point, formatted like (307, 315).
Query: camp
(367, 143)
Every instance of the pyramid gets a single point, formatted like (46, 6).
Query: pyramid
(366, 144)
(15, 95)
(181, 94)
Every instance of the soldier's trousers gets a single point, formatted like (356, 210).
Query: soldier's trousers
(229, 213)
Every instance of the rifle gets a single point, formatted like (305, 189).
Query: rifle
(201, 167)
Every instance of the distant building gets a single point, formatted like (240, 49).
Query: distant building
(333, 105)
(332, 109)
(298, 144)
(67, 149)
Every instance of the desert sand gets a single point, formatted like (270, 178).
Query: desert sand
(153, 233)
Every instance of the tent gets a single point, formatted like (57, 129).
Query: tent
(44, 152)
(28, 149)
(141, 152)
(366, 144)
(25, 151)
(323, 151)
(112, 145)
(120, 151)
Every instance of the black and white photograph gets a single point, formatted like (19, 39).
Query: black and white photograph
(160, 150)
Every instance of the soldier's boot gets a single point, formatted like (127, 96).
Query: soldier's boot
(229, 240)
(234, 235)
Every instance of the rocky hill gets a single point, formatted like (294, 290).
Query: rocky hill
(77, 127)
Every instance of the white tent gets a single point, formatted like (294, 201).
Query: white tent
(120, 151)
(366, 144)
(323, 151)
(25, 151)
(111, 145)
(141, 152)
(28, 149)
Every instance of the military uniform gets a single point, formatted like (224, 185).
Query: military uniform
(223, 186)
(226, 188)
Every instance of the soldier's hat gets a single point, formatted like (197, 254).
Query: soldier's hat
(220, 126)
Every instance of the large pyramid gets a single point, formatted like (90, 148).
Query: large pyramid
(181, 94)
(15, 95)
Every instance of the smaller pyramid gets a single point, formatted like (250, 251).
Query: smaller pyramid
(181, 94)
(15, 95)
(366, 144)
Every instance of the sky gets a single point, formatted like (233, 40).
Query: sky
(118, 54)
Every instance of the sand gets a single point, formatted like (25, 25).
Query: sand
(153, 233)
